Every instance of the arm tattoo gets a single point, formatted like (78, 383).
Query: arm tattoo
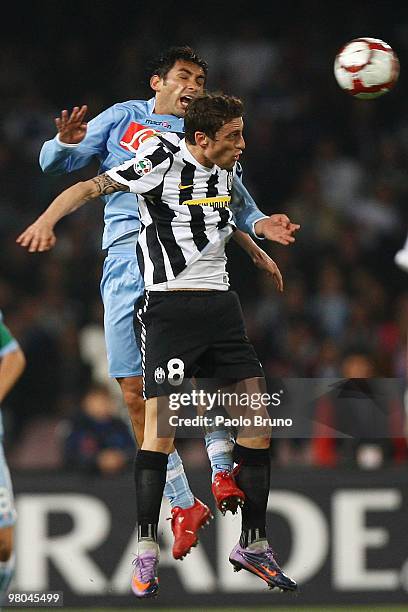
(106, 185)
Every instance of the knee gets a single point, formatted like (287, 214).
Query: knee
(132, 391)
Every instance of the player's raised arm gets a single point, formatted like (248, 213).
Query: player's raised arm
(72, 127)
(77, 143)
(40, 235)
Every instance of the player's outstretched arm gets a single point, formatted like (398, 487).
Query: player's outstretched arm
(275, 228)
(259, 257)
(77, 143)
(40, 235)
(244, 208)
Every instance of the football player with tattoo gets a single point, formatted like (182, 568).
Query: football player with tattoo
(184, 190)
(114, 137)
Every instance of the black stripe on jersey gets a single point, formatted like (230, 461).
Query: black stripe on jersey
(155, 255)
(197, 223)
(139, 255)
(224, 217)
(212, 182)
(212, 191)
(186, 180)
(162, 217)
(157, 157)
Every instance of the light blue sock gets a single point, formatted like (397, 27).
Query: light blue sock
(177, 490)
(6, 574)
(219, 450)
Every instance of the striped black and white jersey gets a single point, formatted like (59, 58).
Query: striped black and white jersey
(184, 212)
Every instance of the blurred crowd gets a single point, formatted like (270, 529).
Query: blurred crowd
(335, 165)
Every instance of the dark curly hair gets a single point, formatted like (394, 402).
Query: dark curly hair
(165, 62)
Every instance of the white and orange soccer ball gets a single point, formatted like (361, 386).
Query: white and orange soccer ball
(366, 68)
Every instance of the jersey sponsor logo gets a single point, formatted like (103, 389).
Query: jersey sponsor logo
(215, 202)
(135, 135)
(185, 186)
(165, 124)
(143, 166)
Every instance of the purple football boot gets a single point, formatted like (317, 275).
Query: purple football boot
(145, 582)
(261, 562)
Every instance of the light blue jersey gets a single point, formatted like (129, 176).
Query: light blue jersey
(114, 137)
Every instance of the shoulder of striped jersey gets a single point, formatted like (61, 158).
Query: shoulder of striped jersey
(170, 140)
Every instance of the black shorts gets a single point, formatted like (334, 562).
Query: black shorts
(186, 334)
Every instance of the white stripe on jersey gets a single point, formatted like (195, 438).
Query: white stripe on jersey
(142, 243)
(183, 206)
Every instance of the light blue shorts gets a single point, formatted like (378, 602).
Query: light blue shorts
(7, 509)
(121, 286)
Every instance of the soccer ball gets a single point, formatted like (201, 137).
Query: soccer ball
(366, 68)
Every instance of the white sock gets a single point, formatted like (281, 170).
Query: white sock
(147, 544)
(258, 544)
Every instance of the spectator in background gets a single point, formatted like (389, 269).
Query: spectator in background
(98, 441)
(341, 177)
(39, 389)
(367, 419)
(330, 306)
(377, 212)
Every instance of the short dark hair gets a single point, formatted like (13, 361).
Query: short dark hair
(165, 62)
(209, 112)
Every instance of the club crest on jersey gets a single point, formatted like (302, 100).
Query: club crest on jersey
(143, 166)
(230, 177)
(135, 135)
(159, 375)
